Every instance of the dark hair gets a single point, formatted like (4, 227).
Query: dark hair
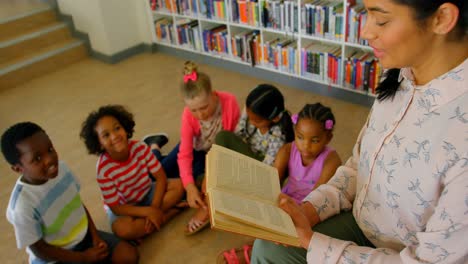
(88, 131)
(267, 102)
(13, 136)
(317, 112)
(422, 10)
(193, 88)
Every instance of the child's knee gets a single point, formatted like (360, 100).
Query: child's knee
(122, 229)
(177, 186)
(180, 188)
(125, 253)
(222, 137)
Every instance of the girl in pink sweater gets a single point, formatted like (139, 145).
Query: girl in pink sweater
(206, 113)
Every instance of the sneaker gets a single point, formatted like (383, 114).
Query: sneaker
(159, 139)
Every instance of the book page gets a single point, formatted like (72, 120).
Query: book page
(239, 173)
(255, 213)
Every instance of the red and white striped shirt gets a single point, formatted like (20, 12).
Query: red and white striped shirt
(127, 182)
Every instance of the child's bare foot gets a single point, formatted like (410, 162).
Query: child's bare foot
(198, 221)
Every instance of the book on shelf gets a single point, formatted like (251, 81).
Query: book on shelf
(242, 194)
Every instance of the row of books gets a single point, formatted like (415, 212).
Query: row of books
(165, 31)
(213, 9)
(167, 6)
(281, 54)
(280, 15)
(362, 71)
(357, 17)
(314, 61)
(245, 12)
(244, 46)
(321, 18)
(321, 63)
(215, 40)
(188, 34)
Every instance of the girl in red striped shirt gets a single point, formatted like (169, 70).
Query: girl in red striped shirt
(136, 206)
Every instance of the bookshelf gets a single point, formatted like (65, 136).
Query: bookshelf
(311, 40)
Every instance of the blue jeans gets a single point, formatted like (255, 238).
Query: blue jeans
(169, 162)
(146, 201)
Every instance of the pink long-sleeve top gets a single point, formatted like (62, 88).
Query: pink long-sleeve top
(190, 129)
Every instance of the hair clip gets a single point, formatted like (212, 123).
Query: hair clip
(294, 118)
(192, 76)
(328, 124)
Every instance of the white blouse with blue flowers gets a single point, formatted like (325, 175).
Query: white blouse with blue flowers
(407, 181)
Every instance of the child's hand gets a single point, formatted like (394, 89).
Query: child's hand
(301, 223)
(149, 227)
(95, 254)
(98, 242)
(194, 197)
(155, 216)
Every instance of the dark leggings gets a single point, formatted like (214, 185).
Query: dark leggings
(169, 162)
(341, 226)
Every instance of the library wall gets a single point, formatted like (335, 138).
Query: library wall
(112, 25)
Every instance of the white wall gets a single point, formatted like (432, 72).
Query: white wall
(112, 25)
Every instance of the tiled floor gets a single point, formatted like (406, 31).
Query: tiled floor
(148, 85)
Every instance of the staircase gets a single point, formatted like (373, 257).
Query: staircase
(33, 45)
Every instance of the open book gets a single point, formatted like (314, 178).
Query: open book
(243, 194)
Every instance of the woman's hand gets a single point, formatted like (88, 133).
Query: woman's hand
(300, 221)
(194, 197)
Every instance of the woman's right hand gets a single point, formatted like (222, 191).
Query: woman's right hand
(300, 221)
(194, 197)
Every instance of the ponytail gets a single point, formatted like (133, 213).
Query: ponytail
(286, 125)
(388, 87)
(194, 82)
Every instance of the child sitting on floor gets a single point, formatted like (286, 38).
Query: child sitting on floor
(206, 113)
(45, 207)
(136, 206)
(264, 127)
(308, 161)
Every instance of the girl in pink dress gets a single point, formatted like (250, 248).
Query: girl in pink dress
(308, 161)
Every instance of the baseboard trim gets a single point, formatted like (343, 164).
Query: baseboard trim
(121, 55)
(310, 86)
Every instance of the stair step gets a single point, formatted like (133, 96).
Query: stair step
(41, 64)
(37, 42)
(15, 27)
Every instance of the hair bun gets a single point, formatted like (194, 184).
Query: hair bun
(189, 67)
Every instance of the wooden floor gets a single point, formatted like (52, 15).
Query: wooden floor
(148, 85)
(12, 8)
